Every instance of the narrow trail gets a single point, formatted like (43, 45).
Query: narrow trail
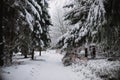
(46, 67)
(53, 68)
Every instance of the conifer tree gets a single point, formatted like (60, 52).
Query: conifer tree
(87, 17)
(1, 34)
(96, 21)
(21, 19)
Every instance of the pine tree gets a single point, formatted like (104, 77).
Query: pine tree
(95, 21)
(35, 21)
(9, 29)
(111, 30)
(1, 34)
(45, 22)
(21, 19)
(40, 36)
(87, 17)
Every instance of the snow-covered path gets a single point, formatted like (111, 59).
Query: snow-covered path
(54, 69)
(49, 67)
(46, 67)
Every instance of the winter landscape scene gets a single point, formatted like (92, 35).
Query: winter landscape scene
(60, 40)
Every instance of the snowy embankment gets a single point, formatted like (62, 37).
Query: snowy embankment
(49, 67)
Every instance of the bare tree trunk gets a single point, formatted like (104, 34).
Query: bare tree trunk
(32, 55)
(11, 54)
(1, 35)
(94, 52)
(25, 55)
(40, 52)
(86, 52)
(1, 77)
(24, 51)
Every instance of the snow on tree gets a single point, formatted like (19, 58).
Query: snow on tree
(59, 26)
(37, 18)
(21, 19)
(9, 22)
(87, 17)
(95, 21)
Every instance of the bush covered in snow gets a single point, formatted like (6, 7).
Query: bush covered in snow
(99, 69)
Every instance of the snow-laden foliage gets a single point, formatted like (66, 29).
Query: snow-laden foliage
(59, 26)
(87, 16)
(36, 18)
(25, 26)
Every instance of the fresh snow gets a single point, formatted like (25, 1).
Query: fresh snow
(34, 10)
(46, 67)
(29, 19)
(49, 67)
(93, 17)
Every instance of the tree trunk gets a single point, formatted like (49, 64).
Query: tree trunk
(32, 55)
(25, 55)
(94, 52)
(86, 52)
(1, 34)
(24, 51)
(10, 57)
(40, 52)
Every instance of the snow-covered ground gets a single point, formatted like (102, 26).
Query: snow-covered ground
(49, 67)
(46, 67)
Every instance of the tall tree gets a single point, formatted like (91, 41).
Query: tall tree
(8, 23)
(95, 21)
(111, 30)
(87, 17)
(1, 34)
(21, 19)
(40, 36)
(33, 25)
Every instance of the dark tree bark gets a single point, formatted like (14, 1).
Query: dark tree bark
(40, 52)
(32, 55)
(1, 78)
(24, 52)
(86, 52)
(94, 52)
(25, 55)
(1, 34)
(11, 55)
